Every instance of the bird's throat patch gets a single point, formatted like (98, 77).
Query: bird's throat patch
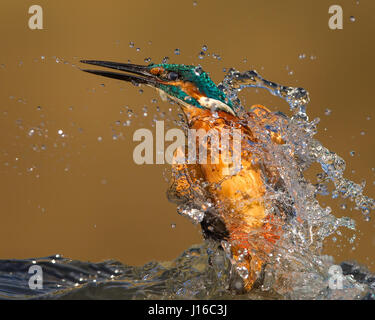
(214, 104)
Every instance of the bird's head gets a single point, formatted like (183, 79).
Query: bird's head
(188, 85)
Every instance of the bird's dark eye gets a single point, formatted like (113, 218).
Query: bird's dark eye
(172, 76)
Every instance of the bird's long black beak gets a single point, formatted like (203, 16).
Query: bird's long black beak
(137, 74)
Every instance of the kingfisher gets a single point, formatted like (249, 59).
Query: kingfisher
(237, 214)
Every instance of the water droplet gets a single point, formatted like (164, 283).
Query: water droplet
(100, 139)
(363, 133)
(352, 18)
(173, 225)
(352, 153)
(165, 60)
(204, 48)
(195, 3)
(60, 132)
(327, 112)
(216, 56)
(138, 49)
(177, 52)
(302, 56)
(131, 44)
(198, 70)
(145, 111)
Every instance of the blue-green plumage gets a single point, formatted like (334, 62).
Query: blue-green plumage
(194, 75)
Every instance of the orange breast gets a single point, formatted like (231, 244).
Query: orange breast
(239, 197)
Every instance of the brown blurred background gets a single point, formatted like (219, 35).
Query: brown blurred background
(73, 194)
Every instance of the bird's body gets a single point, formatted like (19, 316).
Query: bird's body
(239, 215)
(238, 198)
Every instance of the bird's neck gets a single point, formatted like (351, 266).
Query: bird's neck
(210, 106)
(194, 114)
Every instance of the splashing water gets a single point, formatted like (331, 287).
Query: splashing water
(296, 267)
(299, 264)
